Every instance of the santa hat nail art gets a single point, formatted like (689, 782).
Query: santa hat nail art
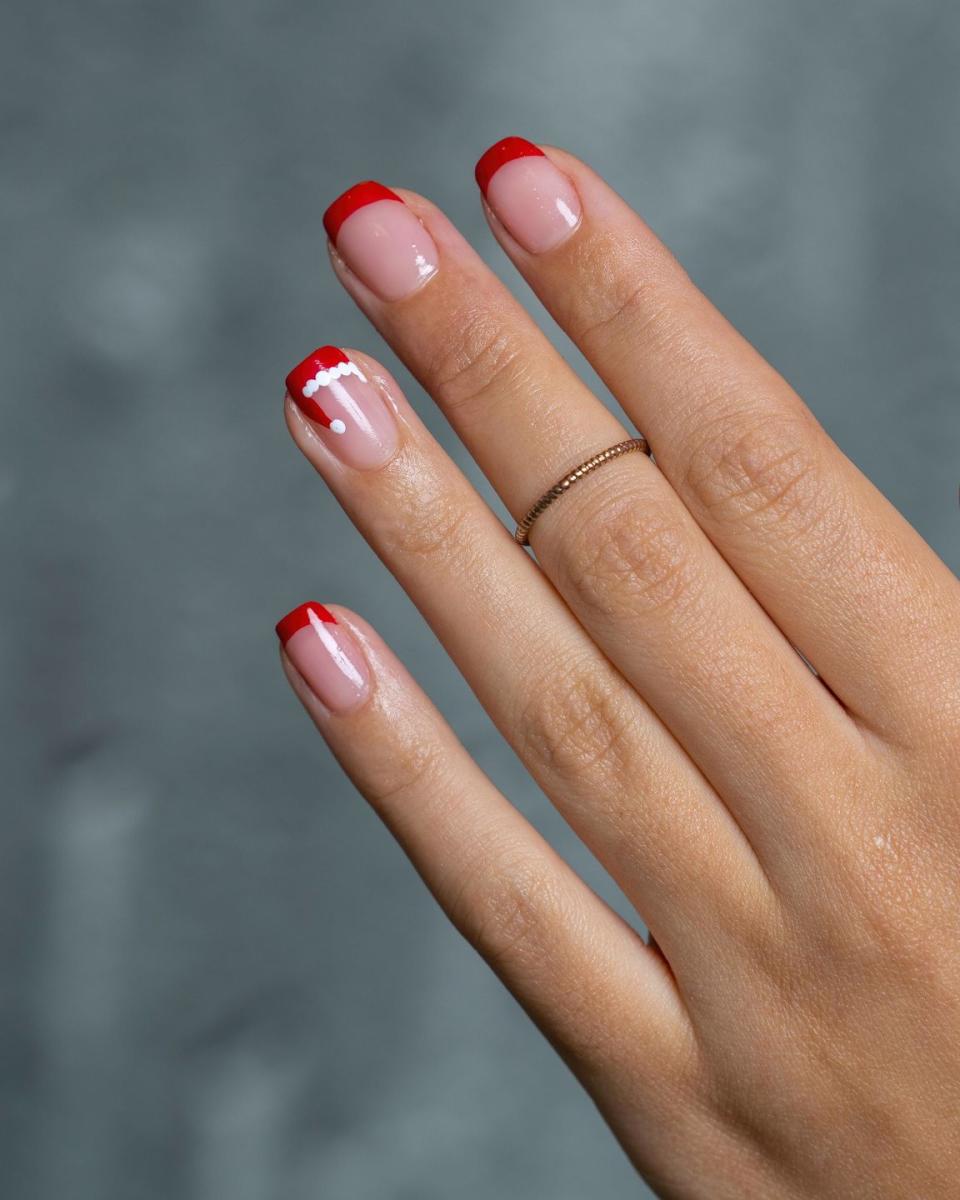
(307, 382)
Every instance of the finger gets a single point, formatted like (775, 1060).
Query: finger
(622, 549)
(592, 744)
(577, 968)
(840, 571)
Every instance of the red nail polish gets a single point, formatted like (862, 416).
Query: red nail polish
(353, 198)
(301, 617)
(332, 392)
(503, 152)
(317, 371)
(327, 657)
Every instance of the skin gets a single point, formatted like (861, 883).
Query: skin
(791, 839)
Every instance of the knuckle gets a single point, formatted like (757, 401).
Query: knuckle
(424, 523)
(478, 353)
(392, 774)
(624, 556)
(758, 470)
(617, 297)
(640, 308)
(507, 906)
(573, 724)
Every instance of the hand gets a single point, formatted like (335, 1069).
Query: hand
(790, 838)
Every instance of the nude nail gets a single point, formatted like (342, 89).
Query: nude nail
(381, 240)
(534, 201)
(346, 408)
(326, 655)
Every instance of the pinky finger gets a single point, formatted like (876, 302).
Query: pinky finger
(603, 998)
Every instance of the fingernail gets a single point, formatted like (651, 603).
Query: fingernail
(352, 419)
(326, 655)
(381, 240)
(531, 197)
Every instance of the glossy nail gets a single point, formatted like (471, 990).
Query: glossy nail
(381, 240)
(326, 655)
(350, 414)
(532, 199)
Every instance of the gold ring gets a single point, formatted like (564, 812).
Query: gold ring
(522, 532)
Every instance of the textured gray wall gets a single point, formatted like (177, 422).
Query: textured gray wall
(220, 979)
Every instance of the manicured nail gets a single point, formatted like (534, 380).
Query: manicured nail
(326, 655)
(381, 240)
(352, 418)
(531, 197)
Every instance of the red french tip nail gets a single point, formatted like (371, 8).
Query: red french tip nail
(353, 198)
(302, 382)
(300, 617)
(500, 153)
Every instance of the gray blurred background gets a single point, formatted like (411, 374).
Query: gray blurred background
(219, 979)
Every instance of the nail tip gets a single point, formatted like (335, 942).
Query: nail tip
(323, 358)
(300, 617)
(368, 191)
(499, 154)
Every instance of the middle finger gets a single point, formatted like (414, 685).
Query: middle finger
(621, 547)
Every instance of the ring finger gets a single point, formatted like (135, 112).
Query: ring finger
(838, 569)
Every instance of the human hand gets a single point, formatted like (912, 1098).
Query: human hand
(791, 839)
